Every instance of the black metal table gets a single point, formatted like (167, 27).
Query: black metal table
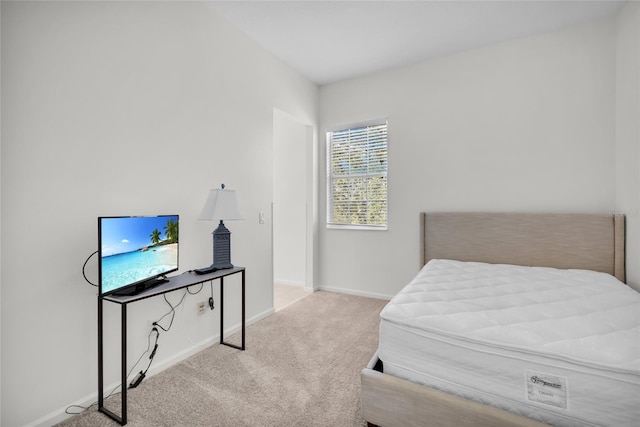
(172, 284)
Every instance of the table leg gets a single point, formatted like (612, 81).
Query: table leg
(239, 347)
(100, 358)
(243, 307)
(123, 374)
(123, 366)
(222, 310)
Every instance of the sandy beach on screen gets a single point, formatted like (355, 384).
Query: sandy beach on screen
(168, 252)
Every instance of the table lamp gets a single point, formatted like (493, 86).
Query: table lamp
(221, 205)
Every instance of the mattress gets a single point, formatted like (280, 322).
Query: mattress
(557, 346)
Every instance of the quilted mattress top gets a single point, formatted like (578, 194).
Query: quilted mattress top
(577, 315)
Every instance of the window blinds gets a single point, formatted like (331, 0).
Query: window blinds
(358, 176)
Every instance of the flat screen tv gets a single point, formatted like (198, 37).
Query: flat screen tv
(136, 252)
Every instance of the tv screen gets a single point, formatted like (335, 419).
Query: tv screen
(135, 251)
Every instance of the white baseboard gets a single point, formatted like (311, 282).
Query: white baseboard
(249, 321)
(60, 415)
(355, 292)
(288, 282)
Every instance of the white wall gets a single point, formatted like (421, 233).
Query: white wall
(628, 133)
(527, 125)
(290, 171)
(118, 108)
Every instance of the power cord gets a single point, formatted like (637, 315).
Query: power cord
(171, 312)
(211, 305)
(84, 266)
(196, 292)
(142, 374)
(113, 392)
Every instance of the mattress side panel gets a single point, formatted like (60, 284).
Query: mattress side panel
(487, 375)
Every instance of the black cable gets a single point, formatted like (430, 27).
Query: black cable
(142, 374)
(113, 392)
(211, 305)
(172, 312)
(148, 347)
(83, 268)
(196, 292)
(153, 352)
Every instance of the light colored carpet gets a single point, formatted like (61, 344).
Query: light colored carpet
(301, 368)
(283, 295)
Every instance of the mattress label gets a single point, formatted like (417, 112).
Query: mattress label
(546, 389)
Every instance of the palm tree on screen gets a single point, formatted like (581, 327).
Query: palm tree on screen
(155, 236)
(171, 231)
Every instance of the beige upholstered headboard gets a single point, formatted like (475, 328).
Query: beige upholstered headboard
(560, 240)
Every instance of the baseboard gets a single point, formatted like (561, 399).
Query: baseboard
(288, 282)
(355, 292)
(237, 327)
(60, 415)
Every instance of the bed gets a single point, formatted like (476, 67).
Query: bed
(551, 244)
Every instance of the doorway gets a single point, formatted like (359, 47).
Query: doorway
(293, 206)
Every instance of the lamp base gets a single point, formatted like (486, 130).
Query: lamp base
(221, 250)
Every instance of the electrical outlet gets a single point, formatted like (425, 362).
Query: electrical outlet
(201, 306)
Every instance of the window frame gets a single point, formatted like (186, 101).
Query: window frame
(330, 176)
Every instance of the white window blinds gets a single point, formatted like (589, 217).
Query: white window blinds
(357, 175)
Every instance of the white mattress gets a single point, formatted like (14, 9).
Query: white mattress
(558, 346)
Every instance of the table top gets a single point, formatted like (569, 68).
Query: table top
(188, 278)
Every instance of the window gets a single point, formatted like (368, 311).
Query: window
(357, 176)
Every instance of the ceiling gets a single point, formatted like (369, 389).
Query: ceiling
(329, 41)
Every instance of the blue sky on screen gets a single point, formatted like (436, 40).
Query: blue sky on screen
(127, 234)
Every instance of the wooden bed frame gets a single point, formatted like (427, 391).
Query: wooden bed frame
(560, 240)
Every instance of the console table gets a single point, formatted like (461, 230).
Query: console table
(173, 284)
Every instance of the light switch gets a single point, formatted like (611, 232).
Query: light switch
(261, 217)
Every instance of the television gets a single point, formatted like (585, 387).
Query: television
(136, 252)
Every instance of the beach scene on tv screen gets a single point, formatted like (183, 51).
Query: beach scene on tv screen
(137, 248)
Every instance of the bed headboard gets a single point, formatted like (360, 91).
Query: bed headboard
(560, 240)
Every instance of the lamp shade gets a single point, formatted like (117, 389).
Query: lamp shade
(221, 204)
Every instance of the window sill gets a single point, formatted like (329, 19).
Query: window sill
(357, 227)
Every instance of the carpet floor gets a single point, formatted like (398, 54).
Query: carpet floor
(301, 367)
